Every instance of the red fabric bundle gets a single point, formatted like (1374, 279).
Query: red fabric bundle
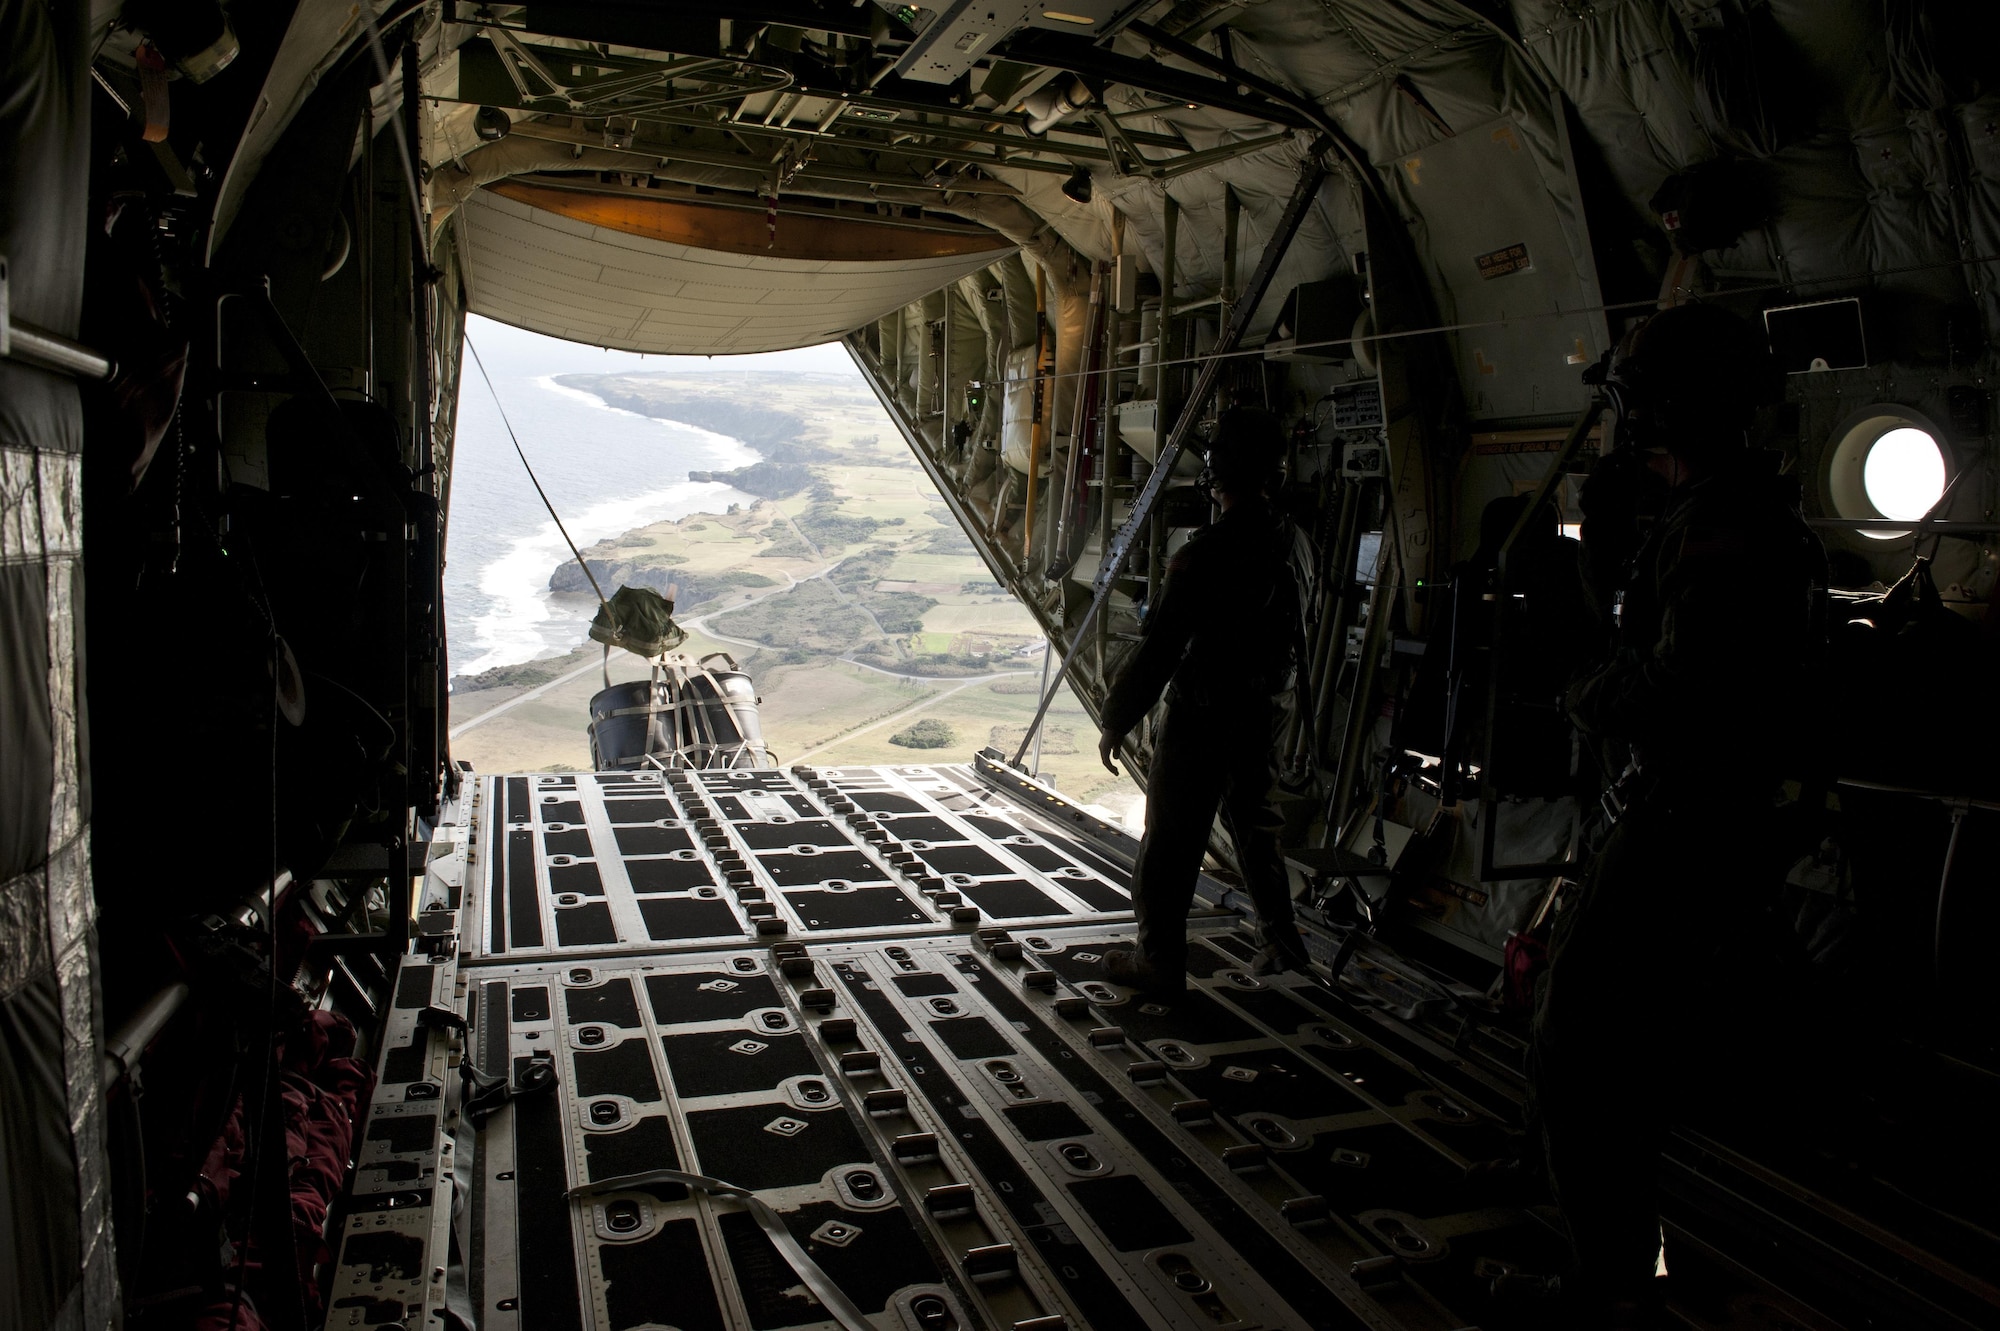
(324, 1091)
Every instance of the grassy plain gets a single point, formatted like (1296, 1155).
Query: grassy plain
(793, 586)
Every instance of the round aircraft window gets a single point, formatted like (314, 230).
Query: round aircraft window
(1903, 474)
(1887, 462)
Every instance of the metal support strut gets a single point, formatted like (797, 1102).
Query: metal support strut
(1311, 177)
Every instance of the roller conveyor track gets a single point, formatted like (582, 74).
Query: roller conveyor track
(649, 861)
(872, 998)
(913, 1062)
(1176, 1169)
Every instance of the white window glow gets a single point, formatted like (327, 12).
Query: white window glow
(1903, 474)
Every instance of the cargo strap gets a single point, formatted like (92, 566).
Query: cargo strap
(699, 733)
(841, 1308)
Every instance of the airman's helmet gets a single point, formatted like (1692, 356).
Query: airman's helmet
(1245, 451)
(1691, 377)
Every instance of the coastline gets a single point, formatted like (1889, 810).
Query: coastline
(514, 622)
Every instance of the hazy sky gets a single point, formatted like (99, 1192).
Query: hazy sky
(508, 351)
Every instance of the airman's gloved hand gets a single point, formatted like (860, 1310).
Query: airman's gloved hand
(1107, 749)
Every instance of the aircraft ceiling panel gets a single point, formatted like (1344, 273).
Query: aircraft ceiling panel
(552, 274)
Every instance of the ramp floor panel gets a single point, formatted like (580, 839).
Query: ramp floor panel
(977, 1122)
(570, 864)
(818, 1049)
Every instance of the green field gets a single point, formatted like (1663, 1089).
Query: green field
(1006, 618)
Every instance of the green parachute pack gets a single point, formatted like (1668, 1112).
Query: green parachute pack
(639, 620)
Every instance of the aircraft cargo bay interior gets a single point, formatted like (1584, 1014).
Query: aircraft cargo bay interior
(999, 665)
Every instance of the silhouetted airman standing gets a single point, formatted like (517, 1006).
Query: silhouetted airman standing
(1716, 652)
(1219, 641)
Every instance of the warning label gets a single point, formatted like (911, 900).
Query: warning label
(1513, 259)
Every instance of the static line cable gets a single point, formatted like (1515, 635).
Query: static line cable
(1400, 334)
(522, 454)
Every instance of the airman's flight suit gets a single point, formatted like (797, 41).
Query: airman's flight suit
(1219, 641)
(1714, 668)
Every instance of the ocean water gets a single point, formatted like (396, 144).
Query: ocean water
(606, 471)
